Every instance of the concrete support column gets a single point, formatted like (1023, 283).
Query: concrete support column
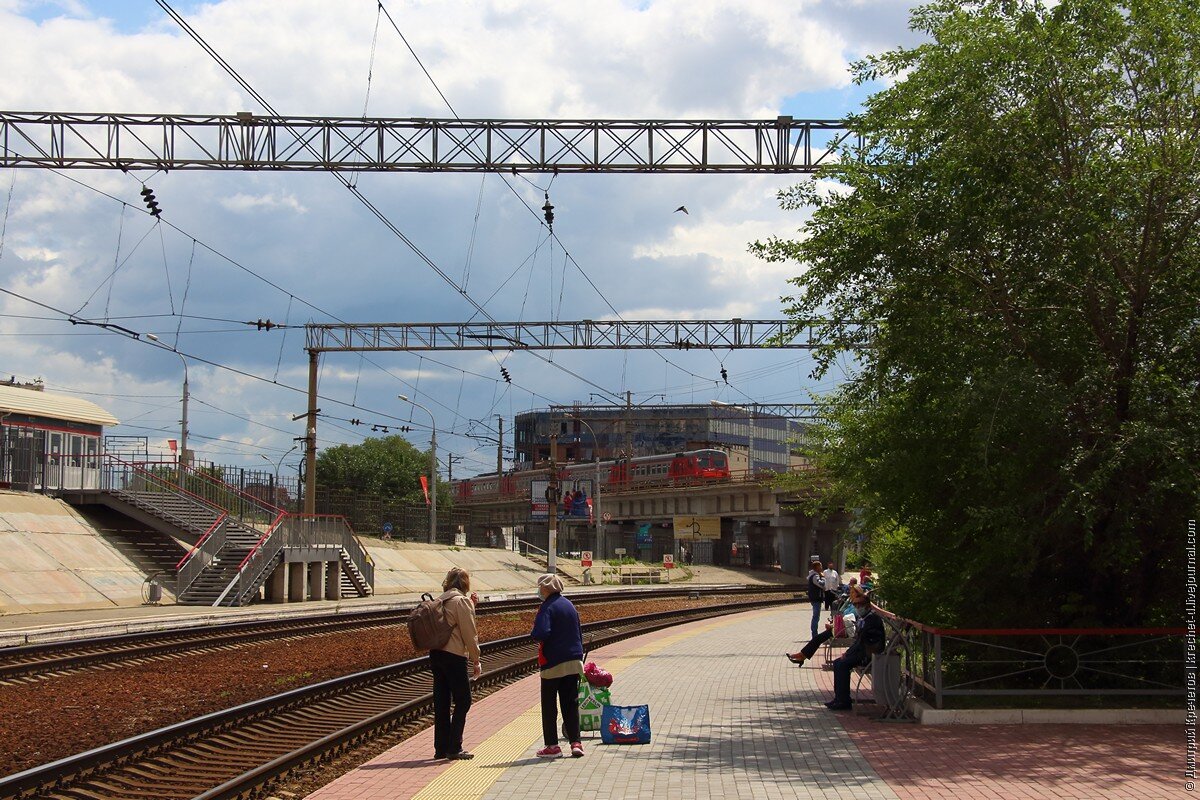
(296, 587)
(316, 580)
(277, 585)
(333, 581)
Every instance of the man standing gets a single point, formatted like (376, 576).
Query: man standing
(833, 582)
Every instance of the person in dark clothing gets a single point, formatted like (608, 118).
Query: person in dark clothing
(560, 658)
(816, 593)
(868, 640)
(810, 649)
(454, 666)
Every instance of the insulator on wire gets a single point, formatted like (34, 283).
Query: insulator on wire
(151, 203)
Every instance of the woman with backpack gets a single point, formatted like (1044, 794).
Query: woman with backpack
(560, 658)
(454, 666)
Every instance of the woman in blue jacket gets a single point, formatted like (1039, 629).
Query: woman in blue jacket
(560, 657)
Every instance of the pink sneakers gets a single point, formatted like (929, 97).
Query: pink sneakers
(576, 750)
(553, 751)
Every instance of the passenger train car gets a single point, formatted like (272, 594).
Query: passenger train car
(688, 468)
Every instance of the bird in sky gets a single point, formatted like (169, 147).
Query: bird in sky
(681, 208)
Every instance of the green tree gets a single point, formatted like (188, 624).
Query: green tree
(1011, 254)
(388, 467)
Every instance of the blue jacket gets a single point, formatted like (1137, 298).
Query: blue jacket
(558, 632)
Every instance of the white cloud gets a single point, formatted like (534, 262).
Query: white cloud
(320, 256)
(246, 202)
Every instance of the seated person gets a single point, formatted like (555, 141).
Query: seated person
(810, 649)
(869, 639)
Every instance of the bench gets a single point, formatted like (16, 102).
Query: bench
(641, 574)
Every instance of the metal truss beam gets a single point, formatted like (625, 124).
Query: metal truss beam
(248, 142)
(735, 334)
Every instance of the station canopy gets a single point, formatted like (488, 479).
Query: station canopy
(19, 400)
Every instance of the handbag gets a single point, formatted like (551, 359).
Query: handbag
(625, 725)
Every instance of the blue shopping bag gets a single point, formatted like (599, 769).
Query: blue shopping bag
(625, 725)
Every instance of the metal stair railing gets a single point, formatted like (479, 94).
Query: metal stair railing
(255, 566)
(301, 531)
(201, 556)
(137, 485)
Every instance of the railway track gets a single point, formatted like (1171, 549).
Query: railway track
(239, 752)
(29, 663)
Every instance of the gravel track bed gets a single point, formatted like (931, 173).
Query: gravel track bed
(64, 715)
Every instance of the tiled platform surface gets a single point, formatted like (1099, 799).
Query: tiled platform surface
(733, 719)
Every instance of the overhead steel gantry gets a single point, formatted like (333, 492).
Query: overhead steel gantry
(246, 141)
(700, 334)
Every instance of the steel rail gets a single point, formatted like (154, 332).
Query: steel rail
(28, 663)
(239, 751)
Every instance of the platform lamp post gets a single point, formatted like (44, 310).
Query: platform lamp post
(432, 469)
(596, 488)
(183, 428)
(278, 464)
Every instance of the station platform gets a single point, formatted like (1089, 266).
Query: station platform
(732, 718)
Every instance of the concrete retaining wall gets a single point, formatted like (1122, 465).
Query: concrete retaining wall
(52, 560)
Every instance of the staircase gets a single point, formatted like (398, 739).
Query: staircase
(208, 586)
(542, 558)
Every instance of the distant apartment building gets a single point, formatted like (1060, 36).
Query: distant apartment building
(758, 440)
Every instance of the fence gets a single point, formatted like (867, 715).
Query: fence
(954, 664)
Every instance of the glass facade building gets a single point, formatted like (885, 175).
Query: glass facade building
(765, 441)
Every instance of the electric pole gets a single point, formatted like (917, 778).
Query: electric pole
(553, 502)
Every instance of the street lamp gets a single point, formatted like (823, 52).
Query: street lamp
(278, 464)
(596, 488)
(183, 428)
(432, 469)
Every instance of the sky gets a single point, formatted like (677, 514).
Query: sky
(297, 248)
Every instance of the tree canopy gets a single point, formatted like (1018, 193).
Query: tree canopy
(1011, 257)
(387, 467)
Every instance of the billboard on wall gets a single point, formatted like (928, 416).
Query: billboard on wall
(573, 501)
(695, 528)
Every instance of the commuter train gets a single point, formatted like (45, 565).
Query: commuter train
(694, 466)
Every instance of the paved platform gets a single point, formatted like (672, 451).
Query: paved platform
(733, 719)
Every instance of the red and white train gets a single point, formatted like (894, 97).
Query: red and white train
(688, 468)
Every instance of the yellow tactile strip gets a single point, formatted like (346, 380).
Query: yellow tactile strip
(469, 780)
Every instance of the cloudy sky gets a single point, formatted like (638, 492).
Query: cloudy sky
(297, 248)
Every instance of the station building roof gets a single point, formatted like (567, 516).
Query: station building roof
(18, 400)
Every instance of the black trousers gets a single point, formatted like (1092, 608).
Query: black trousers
(829, 598)
(451, 683)
(810, 649)
(566, 692)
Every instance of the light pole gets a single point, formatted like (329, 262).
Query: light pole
(183, 428)
(596, 488)
(432, 469)
(278, 464)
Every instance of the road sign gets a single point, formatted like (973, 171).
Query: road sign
(607, 517)
(620, 551)
(387, 527)
(585, 558)
(668, 561)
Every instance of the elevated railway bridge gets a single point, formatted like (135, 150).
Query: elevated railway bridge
(742, 521)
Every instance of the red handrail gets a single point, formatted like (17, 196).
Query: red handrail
(163, 481)
(263, 538)
(200, 541)
(1033, 631)
(243, 494)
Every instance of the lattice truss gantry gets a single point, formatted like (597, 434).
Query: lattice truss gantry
(735, 334)
(245, 141)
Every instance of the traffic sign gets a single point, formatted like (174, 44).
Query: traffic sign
(668, 561)
(387, 527)
(607, 517)
(585, 558)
